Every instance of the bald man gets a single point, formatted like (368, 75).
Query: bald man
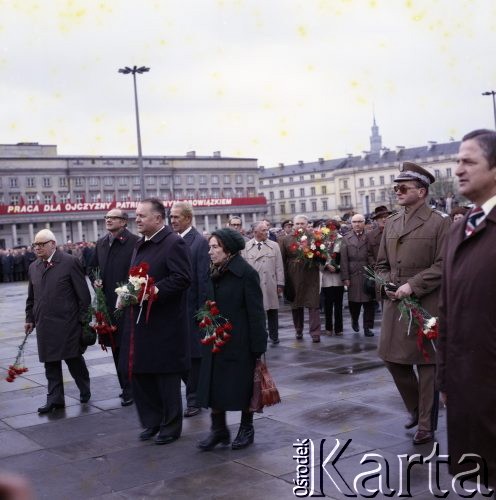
(57, 305)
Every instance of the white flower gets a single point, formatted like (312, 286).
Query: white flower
(322, 247)
(304, 237)
(312, 246)
(429, 325)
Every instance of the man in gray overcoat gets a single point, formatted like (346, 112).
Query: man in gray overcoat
(467, 336)
(410, 258)
(264, 255)
(354, 259)
(57, 305)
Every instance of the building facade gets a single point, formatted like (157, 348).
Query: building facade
(352, 184)
(70, 194)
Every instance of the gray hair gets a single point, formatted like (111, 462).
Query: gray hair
(185, 207)
(46, 234)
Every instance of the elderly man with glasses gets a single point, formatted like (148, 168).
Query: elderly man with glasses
(113, 258)
(410, 259)
(57, 305)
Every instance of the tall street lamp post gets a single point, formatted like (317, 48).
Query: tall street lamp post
(493, 93)
(126, 70)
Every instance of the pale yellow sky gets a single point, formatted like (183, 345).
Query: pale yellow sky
(279, 80)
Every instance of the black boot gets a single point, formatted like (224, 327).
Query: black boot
(219, 433)
(246, 432)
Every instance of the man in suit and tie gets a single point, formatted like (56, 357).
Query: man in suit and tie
(181, 218)
(410, 258)
(467, 336)
(57, 305)
(264, 255)
(113, 257)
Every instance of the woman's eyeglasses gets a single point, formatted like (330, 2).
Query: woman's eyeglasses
(403, 189)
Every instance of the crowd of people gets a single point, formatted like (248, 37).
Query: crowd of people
(416, 255)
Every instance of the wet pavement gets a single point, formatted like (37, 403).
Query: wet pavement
(335, 390)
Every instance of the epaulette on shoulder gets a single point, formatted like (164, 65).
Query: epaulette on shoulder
(438, 212)
(393, 215)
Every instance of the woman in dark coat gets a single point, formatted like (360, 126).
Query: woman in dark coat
(226, 377)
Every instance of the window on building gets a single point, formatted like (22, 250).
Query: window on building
(178, 194)
(312, 191)
(324, 189)
(239, 179)
(151, 180)
(290, 179)
(123, 196)
(291, 193)
(47, 199)
(215, 193)
(93, 181)
(164, 180)
(437, 174)
(177, 180)
(303, 206)
(249, 179)
(314, 206)
(372, 196)
(251, 191)
(109, 197)
(271, 181)
(312, 176)
(271, 195)
(282, 208)
(280, 180)
(448, 172)
(240, 192)
(381, 180)
(190, 194)
(281, 195)
(322, 176)
(203, 193)
(62, 182)
(78, 181)
(324, 205)
(47, 182)
(136, 181)
(94, 197)
(123, 181)
(302, 177)
(215, 179)
(371, 181)
(302, 191)
(13, 182)
(383, 195)
(31, 199)
(30, 182)
(63, 197)
(293, 207)
(272, 210)
(108, 181)
(14, 199)
(391, 178)
(190, 180)
(361, 182)
(345, 184)
(202, 179)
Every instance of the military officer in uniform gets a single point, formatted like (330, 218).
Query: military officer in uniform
(410, 258)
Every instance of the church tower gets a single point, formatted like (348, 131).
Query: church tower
(375, 139)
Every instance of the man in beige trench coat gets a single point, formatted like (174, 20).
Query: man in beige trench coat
(264, 255)
(410, 258)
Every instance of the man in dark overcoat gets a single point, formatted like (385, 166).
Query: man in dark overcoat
(410, 258)
(112, 257)
(57, 305)
(302, 284)
(354, 259)
(467, 341)
(157, 349)
(374, 237)
(181, 216)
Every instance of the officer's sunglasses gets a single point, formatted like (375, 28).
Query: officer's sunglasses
(403, 189)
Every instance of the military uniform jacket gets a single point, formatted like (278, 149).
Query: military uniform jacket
(413, 253)
(57, 304)
(268, 263)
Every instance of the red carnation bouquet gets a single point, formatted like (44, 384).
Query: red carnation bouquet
(216, 327)
(99, 319)
(139, 288)
(424, 324)
(18, 367)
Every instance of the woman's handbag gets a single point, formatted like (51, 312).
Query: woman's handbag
(265, 392)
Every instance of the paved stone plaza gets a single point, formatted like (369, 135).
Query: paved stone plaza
(337, 389)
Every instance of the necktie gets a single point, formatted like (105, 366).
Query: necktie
(259, 245)
(473, 220)
(46, 263)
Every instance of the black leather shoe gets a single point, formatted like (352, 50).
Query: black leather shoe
(220, 436)
(148, 433)
(49, 407)
(191, 411)
(299, 335)
(369, 332)
(422, 437)
(85, 398)
(354, 325)
(162, 439)
(275, 341)
(245, 437)
(127, 402)
(413, 420)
